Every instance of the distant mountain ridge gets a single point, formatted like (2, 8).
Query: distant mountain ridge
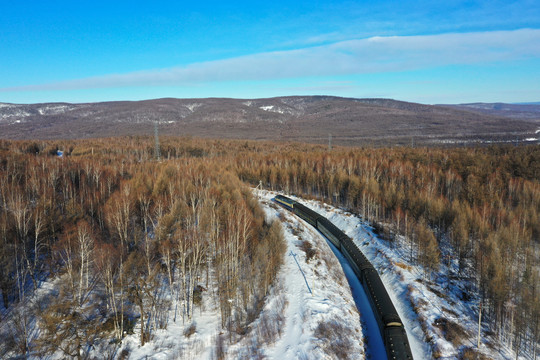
(299, 118)
(514, 111)
(528, 103)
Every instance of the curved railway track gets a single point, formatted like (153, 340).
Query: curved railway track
(390, 324)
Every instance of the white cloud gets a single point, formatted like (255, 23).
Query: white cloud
(371, 55)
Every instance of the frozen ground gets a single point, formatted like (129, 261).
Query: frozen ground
(317, 309)
(424, 303)
(311, 302)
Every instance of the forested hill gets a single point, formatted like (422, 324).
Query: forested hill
(298, 118)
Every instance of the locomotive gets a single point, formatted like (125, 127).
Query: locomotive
(390, 325)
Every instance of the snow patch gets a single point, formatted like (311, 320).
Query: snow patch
(14, 113)
(272, 108)
(194, 106)
(54, 109)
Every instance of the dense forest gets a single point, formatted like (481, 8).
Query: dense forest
(115, 236)
(111, 223)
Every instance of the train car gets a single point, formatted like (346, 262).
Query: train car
(306, 213)
(285, 201)
(356, 258)
(396, 343)
(390, 325)
(386, 312)
(330, 231)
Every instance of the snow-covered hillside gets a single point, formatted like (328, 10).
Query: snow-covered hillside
(441, 318)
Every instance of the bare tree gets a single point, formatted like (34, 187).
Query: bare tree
(38, 244)
(119, 209)
(86, 253)
(21, 215)
(108, 265)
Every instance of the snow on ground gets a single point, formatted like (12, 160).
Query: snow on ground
(15, 113)
(276, 109)
(375, 345)
(320, 299)
(171, 343)
(193, 106)
(353, 227)
(310, 303)
(54, 109)
(425, 305)
(316, 293)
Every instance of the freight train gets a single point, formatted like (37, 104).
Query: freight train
(390, 324)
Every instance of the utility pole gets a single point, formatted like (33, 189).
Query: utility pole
(259, 189)
(479, 325)
(329, 142)
(157, 151)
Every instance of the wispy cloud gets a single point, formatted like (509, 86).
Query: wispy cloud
(371, 55)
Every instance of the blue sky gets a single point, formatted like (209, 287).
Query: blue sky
(423, 51)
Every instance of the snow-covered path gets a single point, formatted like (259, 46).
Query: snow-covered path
(329, 303)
